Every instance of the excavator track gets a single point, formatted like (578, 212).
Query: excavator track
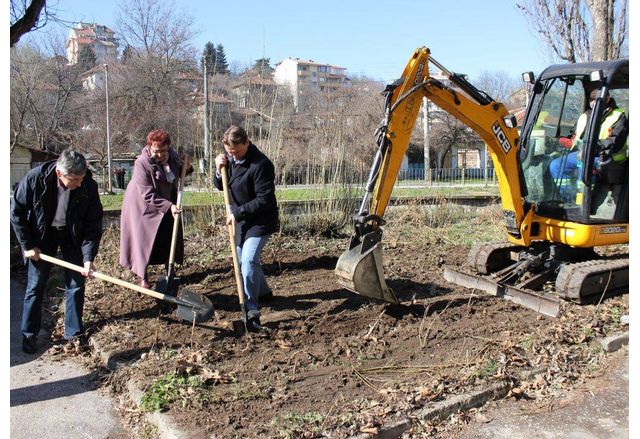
(490, 257)
(579, 282)
(583, 281)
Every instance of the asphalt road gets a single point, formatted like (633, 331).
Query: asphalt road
(54, 399)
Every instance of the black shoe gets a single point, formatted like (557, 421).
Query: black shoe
(266, 296)
(29, 344)
(253, 324)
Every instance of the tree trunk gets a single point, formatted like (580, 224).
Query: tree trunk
(602, 12)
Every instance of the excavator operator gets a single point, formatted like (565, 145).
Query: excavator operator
(609, 165)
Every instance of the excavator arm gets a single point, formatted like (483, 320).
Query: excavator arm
(360, 268)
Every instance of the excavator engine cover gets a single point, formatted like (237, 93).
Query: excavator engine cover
(360, 270)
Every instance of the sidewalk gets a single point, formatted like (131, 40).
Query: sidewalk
(597, 409)
(53, 399)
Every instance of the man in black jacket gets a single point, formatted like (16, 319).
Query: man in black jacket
(253, 212)
(56, 205)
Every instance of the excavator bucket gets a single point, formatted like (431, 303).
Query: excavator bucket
(360, 270)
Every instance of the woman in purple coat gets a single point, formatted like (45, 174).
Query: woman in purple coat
(149, 208)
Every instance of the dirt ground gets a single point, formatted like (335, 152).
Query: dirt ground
(336, 363)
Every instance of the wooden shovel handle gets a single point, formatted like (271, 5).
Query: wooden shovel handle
(176, 221)
(232, 236)
(104, 277)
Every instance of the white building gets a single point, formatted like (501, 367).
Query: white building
(299, 74)
(100, 38)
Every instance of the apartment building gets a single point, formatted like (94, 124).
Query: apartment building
(300, 75)
(100, 38)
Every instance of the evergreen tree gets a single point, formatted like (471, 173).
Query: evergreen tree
(263, 68)
(221, 61)
(209, 55)
(127, 54)
(86, 58)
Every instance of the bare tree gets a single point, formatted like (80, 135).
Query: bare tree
(151, 86)
(42, 89)
(580, 30)
(499, 85)
(25, 18)
(159, 40)
(447, 132)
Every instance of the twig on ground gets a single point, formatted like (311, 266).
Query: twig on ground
(365, 380)
(375, 323)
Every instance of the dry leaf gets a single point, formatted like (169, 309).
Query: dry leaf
(283, 344)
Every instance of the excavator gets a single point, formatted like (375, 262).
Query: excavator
(553, 223)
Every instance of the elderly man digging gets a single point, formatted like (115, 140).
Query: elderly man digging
(56, 205)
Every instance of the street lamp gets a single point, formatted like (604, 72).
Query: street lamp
(106, 91)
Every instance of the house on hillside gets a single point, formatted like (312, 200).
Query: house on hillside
(254, 91)
(300, 75)
(93, 79)
(99, 37)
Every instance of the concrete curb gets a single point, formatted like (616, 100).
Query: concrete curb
(442, 410)
(615, 342)
(109, 359)
(167, 428)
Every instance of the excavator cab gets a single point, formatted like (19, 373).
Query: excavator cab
(567, 172)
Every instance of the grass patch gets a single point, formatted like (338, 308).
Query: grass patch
(489, 369)
(204, 198)
(527, 343)
(616, 314)
(297, 424)
(166, 390)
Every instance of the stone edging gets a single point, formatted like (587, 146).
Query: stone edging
(615, 342)
(442, 410)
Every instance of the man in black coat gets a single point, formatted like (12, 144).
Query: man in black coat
(56, 205)
(253, 212)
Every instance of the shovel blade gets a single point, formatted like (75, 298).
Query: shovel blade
(360, 269)
(198, 310)
(167, 285)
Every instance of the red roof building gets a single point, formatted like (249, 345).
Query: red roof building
(99, 37)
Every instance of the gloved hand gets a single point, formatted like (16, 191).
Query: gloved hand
(565, 142)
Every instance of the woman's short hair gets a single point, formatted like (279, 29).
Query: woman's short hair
(234, 135)
(160, 136)
(71, 162)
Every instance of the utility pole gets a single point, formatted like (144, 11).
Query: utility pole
(106, 91)
(486, 162)
(206, 118)
(425, 142)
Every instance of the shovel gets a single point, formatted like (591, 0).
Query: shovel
(239, 326)
(169, 284)
(192, 307)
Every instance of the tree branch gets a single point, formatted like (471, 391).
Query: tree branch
(27, 22)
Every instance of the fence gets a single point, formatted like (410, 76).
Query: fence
(303, 175)
(309, 176)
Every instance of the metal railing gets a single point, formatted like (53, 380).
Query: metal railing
(307, 176)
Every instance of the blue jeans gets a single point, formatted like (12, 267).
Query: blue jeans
(37, 276)
(564, 171)
(255, 284)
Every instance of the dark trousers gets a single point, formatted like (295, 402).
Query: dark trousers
(37, 276)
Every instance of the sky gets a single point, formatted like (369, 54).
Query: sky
(368, 37)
